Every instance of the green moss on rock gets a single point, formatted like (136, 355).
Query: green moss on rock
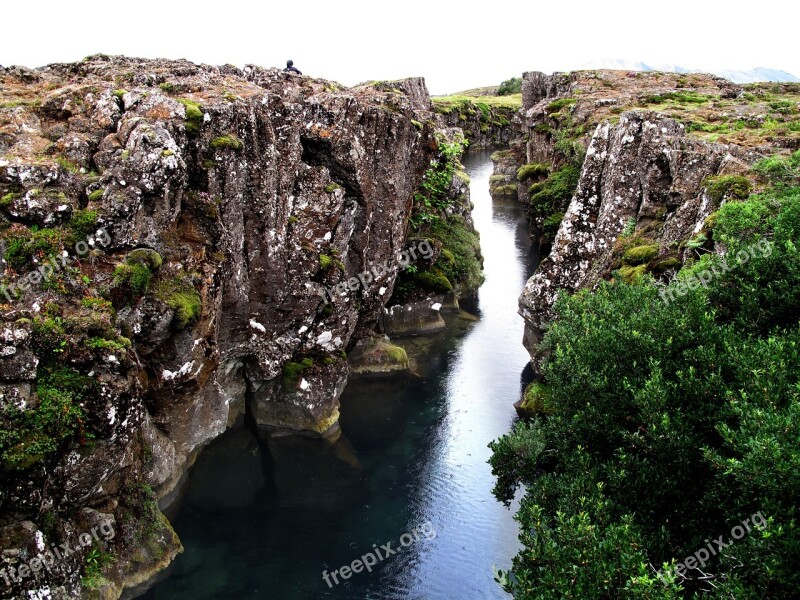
(181, 296)
(229, 141)
(292, 371)
(728, 187)
(533, 170)
(640, 254)
(194, 115)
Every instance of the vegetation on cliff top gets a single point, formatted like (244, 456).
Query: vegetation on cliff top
(691, 391)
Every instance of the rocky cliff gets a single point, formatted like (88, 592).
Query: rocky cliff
(180, 243)
(487, 121)
(622, 170)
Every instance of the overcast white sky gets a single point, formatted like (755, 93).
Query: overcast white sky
(455, 45)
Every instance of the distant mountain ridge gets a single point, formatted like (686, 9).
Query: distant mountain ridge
(753, 75)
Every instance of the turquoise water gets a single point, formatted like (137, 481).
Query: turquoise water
(264, 518)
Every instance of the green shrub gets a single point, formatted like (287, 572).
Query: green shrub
(510, 86)
(694, 393)
(556, 105)
(535, 399)
(778, 169)
(433, 196)
(332, 187)
(96, 195)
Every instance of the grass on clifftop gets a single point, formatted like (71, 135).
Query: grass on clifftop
(447, 104)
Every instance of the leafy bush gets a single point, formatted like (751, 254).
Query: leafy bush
(556, 191)
(698, 398)
(31, 435)
(510, 86)
(434, 196)
(778, 169)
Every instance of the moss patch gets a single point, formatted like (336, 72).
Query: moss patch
(728, 187)
(640, 254)
(227, 141)
(533, 170)
(194, 115)
(181, 296)
(292, 371)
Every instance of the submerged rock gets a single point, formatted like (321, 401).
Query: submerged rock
(376, 357)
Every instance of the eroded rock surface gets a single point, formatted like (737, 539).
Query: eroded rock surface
(214, 205)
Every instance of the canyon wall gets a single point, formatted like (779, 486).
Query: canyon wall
(621, 171)
(207, 225)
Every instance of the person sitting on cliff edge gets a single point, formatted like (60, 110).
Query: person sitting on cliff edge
(290, 68)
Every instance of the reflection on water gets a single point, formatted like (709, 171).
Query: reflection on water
(263, 518)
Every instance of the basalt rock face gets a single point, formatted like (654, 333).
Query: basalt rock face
(221, 203)
(493, 130)
(644, 174)
(607, 152)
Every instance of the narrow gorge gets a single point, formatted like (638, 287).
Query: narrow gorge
(255, 322)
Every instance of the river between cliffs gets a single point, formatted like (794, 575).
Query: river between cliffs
(264, 518)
